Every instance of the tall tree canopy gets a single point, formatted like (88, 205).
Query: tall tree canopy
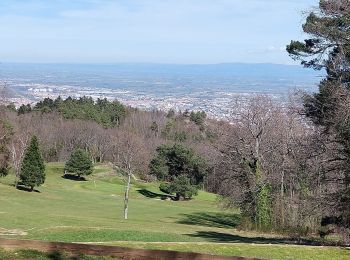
(174, 160)
(102, 111)
(32, 168)
(328, 47)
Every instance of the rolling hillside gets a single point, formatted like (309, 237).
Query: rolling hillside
(91, 212)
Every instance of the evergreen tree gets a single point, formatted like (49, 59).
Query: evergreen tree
(102, 111)
(181, 187)
(180, 168)
(154, 128)
(32, 168)
(328, 47)
(79, 163)
(23, 109)
(198, 117)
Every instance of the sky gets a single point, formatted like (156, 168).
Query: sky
(156, 31)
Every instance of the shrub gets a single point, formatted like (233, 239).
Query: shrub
(181, 187)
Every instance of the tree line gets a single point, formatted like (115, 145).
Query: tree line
(128, 145)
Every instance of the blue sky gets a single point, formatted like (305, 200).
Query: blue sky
(159, 31)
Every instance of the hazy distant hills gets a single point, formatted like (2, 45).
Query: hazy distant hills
(137, 69)
(163, 86)
(224, 69)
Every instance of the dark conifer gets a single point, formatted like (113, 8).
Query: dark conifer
(79, 163)
(32, 168)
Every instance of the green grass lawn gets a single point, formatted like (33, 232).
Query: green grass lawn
(87, 211)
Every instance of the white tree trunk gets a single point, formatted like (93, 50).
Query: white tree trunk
(126, 198)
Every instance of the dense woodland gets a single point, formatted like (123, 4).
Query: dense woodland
(284, 165)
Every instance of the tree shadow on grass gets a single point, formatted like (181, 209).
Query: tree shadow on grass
(73, 177)
(208, 219)
(153, 195)
(213, 236)
(55, 255)
(24, 188)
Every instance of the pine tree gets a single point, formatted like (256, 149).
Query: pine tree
(32, 168)
(328, 47)
(180, 168)
(181, 186)
(79, 163)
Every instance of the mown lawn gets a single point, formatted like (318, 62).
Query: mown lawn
(92, 211)
(264, 251)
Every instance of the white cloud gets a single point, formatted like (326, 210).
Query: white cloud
(269, 49)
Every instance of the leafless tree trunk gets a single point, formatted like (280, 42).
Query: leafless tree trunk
(126, 198)
(126, 144)
(128, 156)
(17, 153)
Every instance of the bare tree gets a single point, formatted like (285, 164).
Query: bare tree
(266, 152)
(6, 133)
(17, 148)
(127, 144)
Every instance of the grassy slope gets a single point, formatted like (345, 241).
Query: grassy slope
(75, 211)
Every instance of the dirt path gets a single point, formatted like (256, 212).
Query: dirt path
(101, 250)
(12, 232)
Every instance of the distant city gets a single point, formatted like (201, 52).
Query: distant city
(210, 88)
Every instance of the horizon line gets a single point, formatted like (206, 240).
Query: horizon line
(146, 63)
